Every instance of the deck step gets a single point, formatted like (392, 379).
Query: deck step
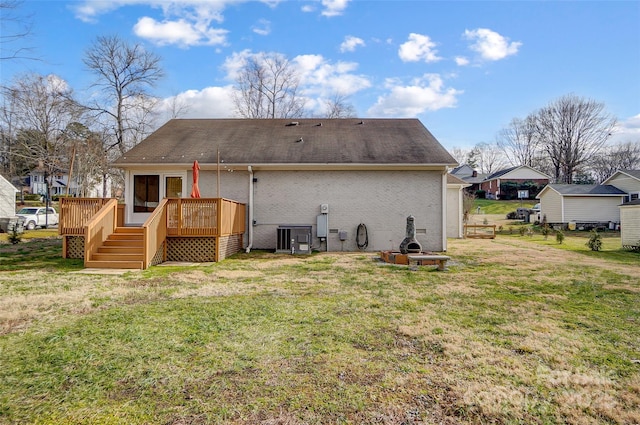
(121, 249)
(137, 243)
(126, 236)
(139, 230)
(117, 257)
(114, 264)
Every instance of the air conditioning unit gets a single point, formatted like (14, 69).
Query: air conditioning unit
(294, 239)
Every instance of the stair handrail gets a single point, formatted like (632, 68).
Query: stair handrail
(99, 227)
(155, 232)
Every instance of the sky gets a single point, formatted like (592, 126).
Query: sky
(464, 68)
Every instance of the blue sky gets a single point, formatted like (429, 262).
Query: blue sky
(464, 68)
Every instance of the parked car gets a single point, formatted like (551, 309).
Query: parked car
(535, 212)
(38, 217)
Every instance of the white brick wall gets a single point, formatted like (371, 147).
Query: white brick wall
(381, 200)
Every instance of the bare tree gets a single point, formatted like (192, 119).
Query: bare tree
(42, 107)
(87, 161)
(489, 157)
(124, 74)
(519, 142)
(624, 156)
(572, 130)
(267, 87)
(15, 28)
(460, 155)
(338, 107)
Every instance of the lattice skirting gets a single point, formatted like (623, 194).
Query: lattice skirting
(197, 250)
(75, 247)
(158, 258)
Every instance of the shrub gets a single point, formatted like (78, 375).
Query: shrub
(545, 231)
(512, 215)
(560, 236)
(595, 241)
(15, 235)
(522, 230)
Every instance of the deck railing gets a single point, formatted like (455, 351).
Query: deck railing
(204, 217)
(155, 232)
(98, 229)
(75, 213)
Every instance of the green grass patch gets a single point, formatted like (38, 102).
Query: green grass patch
(517, 330)
(41, 253)
(489, 206)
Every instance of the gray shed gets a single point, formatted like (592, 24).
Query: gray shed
(630, 225)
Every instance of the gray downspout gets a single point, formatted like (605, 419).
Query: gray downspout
(250, 241)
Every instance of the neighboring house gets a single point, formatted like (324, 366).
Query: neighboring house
(470, 176)
(327, 174)
(517, 182)
(7, 198)
(630, 225)
(59, 181)
(514, 183)
(580, 204)
(628, 181)
(455, 206)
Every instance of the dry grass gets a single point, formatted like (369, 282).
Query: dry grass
(513, 332)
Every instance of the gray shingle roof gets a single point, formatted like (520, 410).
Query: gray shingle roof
(278, 141)
(501, 172)
(587, 189)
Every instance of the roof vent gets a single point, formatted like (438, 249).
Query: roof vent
(293, 123)
(319, 124)
(361, 122)
(300, 140)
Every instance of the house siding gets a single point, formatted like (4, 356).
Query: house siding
(454, 213)
(551, 207)
(591, 209)
(630, 226)
(626, 183)
(7, 198)
(524, 174)
(380, 199)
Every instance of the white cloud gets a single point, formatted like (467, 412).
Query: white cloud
(418, 48)
(321, 78)
(491, 45)
(350, 43)
(263, 27)
(423, 94)
(185, 22)
(180, 32)
(334, 7)
(210, 102)
(461, 61)
(627, 130)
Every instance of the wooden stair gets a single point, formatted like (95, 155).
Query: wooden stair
(124, 249)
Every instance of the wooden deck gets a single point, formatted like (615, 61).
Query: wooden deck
(192, 229)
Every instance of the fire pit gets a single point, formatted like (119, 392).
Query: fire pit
(411, 251)
(410, 244)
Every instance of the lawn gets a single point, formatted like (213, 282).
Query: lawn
(518, 330)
